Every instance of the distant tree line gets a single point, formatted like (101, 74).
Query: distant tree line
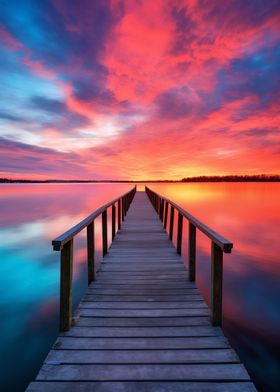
(234, 178)
(231, 178)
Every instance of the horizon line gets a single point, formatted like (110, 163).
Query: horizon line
(204, 178)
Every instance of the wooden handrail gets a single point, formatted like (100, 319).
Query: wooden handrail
(65, 243)
(222, 242)
(219, 245)
(59, 241)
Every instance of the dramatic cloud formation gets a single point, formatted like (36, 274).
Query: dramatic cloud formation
(124, 89)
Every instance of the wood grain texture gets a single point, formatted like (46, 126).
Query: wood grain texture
(126, 386)
(91, 252)
(145, 372)
(66, 272)
(142, 325)
(143, 356)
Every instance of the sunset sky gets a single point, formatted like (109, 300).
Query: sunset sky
(131, 89)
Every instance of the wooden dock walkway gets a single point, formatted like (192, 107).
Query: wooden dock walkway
(142, 325)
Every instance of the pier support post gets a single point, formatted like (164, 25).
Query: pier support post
(119, 214)
(104, 232)
(90, 252)
(113, 221)
(165, 214)
(123, 207)
(66, 271)
(161, 209)
(171, 225)
(192, 251)
(180, 233)
(216, 284)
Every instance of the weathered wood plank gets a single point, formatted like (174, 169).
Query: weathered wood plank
(137, 268)
(148, 291)
(141, 274)
(147, 285)
(144, 372)
(144, 261)
(105, 386)
(135, 276)
(127, 278)
(143, 252)
(143, 312)
(201, 331)
(142, 343)
(143, 356)
(141, 322)
(135, 298)
(142, 325)
(143, 305)
(127, 386)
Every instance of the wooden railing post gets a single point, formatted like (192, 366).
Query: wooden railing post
(180, 232)
(113, 221)
(90, 252)
(66, 271)
(104, 232)
(216, 283)
(64, 244)
(123, 208)
(219, 246)
(119, 214)
(161, 209)
(192, 251)
(171, 225)
(165, 214)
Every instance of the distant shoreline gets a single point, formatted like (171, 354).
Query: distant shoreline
(231, 178)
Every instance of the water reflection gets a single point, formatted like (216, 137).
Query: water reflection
(248, 215)
(31, 215)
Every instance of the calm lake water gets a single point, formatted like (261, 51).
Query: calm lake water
(31, 215)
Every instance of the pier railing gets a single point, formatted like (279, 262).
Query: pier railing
(219, 245)
(64, 244)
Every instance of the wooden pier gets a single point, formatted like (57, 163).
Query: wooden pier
(142, 325)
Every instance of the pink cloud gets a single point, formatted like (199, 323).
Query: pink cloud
(174, 84)
(8, 40)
